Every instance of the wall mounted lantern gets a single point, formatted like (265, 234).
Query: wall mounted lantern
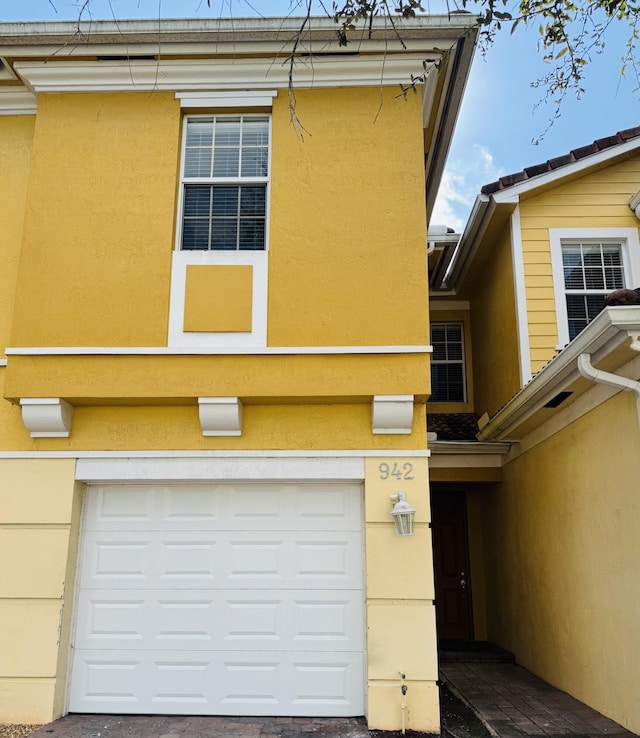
(403, 514)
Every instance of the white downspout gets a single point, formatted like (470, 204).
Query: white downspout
(613, 380)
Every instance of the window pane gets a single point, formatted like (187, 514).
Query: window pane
(226, 162)
(255, 162)
(197, 201)
(224, 234)
(454, 332)
(200, 132)
(438, 332)
(614, 278)
(227, 132)
(253, 201)
(594, 278)
(225, 201)
(252, 234)
(255, 132)
(197, 163)
(195, 235)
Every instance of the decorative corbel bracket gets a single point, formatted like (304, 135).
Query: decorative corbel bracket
(392, 414)
(220, 416)
(47, 417)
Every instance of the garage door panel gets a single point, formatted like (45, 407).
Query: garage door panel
(270, 621)
(230, 684)
(138, 560)
(231, 599)
(238, 507)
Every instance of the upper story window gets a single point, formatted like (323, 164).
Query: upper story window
(591, 270)
(588, 264)
(447, 363)
(225, 175)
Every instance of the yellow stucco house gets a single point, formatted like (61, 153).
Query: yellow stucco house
(215, 363)
(536, 509)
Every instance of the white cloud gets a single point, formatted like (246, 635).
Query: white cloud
(463, 177)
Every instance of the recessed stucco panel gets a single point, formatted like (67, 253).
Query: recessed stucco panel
(397, 568)
(35, 490)
(99, 224)
(561, 537)
(218, 298)
(27, 701)
(29, 638)
(402, 638)
(350, 257)
(34, 562)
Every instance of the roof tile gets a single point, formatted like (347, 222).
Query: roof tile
(600, 144)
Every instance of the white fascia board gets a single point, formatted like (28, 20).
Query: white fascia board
(512, 194)
(17, 101)
(247, 31)
(481, 213)
(468, 448)
(218, 74)
(612, 327)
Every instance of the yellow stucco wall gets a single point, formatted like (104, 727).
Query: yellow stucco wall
(95, 268)
(351, 257)
(563, 560)
(496, 365)
(596, 200)
(39, 523)
(16, 134)
(401, 624)
(98, 233)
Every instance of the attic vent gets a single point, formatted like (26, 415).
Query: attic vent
(148, 57)
(558, 399)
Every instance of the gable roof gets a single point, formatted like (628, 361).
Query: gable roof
(497, 200)
(558, 162)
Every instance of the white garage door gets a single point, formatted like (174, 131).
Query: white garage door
(221, 600)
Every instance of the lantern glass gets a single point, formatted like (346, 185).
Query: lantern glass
(403, 515)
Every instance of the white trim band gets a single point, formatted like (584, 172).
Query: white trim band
(235, 99)
(340, 454)
(206, 350)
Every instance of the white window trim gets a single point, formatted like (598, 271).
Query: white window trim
(258, 259)
(462, 361)
(222, 180)
(630, 261)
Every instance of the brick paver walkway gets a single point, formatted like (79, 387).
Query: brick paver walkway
(513, 703)
(150, 726)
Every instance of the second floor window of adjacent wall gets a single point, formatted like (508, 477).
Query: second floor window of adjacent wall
(591, 270)
(225, 175)
(447, 363)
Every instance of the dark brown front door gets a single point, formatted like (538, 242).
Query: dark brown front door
(451, 563)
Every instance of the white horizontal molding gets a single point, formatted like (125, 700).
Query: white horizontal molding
(213, 350)
(220, 74)
(47, 417)
(3, 362)
(17, 101)
(236, 468)
(296, 454)
(232, 99)
(220, 416)
(392, 414)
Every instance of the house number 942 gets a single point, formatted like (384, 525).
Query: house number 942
(398, 471)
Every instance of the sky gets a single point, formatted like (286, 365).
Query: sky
(501, 117)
